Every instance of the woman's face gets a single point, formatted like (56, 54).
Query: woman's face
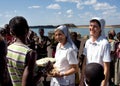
(60, 36)
(95, 29)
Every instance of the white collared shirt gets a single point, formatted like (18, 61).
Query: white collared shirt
(98, 51)
(65, 56)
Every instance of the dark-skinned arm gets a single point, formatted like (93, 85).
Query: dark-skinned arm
(28, 78)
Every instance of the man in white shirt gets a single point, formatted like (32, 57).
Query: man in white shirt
(97, 49)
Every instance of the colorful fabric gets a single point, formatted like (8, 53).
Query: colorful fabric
(16, 62)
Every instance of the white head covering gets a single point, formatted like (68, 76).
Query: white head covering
(65, 30)
(102, 23)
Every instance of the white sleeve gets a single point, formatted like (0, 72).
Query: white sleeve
(106, 53)
(72, 56)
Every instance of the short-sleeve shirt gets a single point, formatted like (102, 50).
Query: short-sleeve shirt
(98, 51)
(64, 57)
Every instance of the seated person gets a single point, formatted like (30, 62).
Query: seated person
(94, 74)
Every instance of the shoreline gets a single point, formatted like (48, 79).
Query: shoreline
(75, 26)
(109, 26)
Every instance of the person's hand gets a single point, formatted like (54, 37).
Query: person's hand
(58, 74)
(54, 73)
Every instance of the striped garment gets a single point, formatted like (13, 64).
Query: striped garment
(16, 62)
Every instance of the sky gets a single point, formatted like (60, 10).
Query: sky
(55, 12)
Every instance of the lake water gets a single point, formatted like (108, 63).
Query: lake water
(81, 31)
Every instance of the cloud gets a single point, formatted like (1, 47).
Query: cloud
(85, 15)
(61, 0)
(79, 3)
(109, 12)
(90, 2)
(15, 11)
(59, 13)
(8, 15)
(69, 16)
(67, 0)
(54, 6)
(105, 9)
(1, 15)
(103, 6)
(70, 13)
(34, 7)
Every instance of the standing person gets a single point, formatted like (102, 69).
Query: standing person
(75, 39)
(97, 49)
(8, 37)
(42, 46)
(21, 59)
(4, 75)
(53, 45)
(42, 49)
(117, 60)
(77, 42)
(32, 40)
(112, 42)
(66, 59)
(113, 33)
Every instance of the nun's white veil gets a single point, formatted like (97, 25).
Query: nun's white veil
(65, 30)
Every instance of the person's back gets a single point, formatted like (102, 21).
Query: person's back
(94, 74)
(18, 54)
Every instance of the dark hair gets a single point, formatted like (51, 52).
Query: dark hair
(95, 20)
(118, 35)
(41, 29)
(3, 47)
(110, 36)
(18, 26)
(74, 34)
(3, 32)
(6, 26)
(94, 74)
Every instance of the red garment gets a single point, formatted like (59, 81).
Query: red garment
(9, 38)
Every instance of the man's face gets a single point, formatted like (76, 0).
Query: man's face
(113, 32)
(41, 33)
(94, 29)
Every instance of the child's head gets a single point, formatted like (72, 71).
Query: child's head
(94, 74)
(19, 26)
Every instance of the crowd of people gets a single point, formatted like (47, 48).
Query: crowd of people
(92, 62)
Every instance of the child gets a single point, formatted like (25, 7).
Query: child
(21, 59)
(94, 74)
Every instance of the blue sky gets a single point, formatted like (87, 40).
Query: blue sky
(54, 12)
